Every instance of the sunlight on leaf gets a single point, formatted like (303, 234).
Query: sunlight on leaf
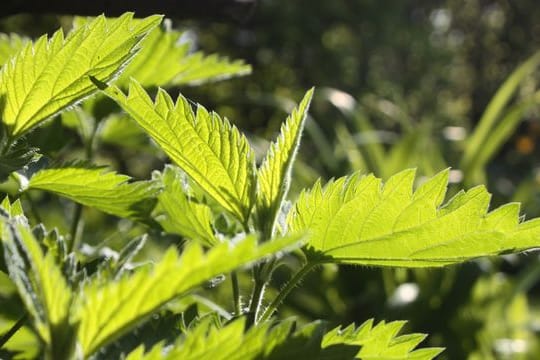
(274, 175)
(106, 311)
(281, 341)
(357, 220)
(50, 75)
(99, 188)
(211, 151)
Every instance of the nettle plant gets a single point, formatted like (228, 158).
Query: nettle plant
(232, 215)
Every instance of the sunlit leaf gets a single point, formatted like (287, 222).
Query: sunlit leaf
(96, 187)
(281, 341)
(50, 75)
(274, 176)
(357, 220)
(106, 311)
(209, 149)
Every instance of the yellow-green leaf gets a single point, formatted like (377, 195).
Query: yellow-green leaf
(50, 75)
(358, 220)
(274, 175)
(212, 152)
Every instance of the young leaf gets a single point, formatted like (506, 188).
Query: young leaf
(181, 215)
(41, 285)
(274, 175)
(48, 76)
(165, 60)
(280, 341)
(356, 220)
(209, 149)
(98, 188)
(106, 311)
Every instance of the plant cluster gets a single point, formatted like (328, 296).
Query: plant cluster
(231, 216)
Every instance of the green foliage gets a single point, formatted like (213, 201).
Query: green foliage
(498, 122)
(313, 341)
(165, 60)
(49, 75)
(274, 175)
(224, 219)
(98, 188)
(210, 150)
(357, 220)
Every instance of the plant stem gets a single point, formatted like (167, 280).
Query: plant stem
(236, 294)
(287, 289)
(256, 296)
(5, 338)
(74, 231)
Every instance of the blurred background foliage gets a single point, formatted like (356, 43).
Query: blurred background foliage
(426, 84)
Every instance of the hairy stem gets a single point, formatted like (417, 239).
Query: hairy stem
(8, 335)
(291, 284)
(256, 296)
(236, 294)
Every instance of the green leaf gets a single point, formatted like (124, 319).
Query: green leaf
(40, 284)
(212, 152)
(98, 188)
(48, 76)
(280, 341)
(182, 215)
(381, 341)
(106, 311)
(274, 175)
(166, 60)
(357, 220)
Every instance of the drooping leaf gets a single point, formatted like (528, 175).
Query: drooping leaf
(106, 311)
(166, 60)
(182, 215)
(41, 285)
(274, 175)
(280, 341)
(357, 220)
(209, 149)
(49, 75)
(96, 187)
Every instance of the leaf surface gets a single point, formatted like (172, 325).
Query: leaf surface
(182, 215)
(274, 175)
(106, 311)
(358, 220)
(211, 151)
(166, 60)
(280, 341)
(98, 188)
(40, 284)
(50, 75)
